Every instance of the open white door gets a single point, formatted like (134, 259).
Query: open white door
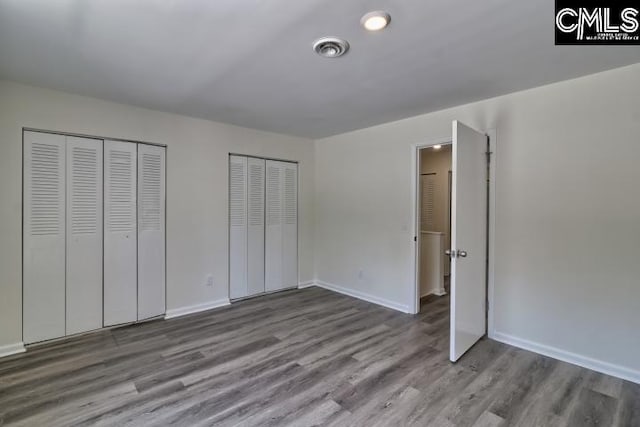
(468, 239)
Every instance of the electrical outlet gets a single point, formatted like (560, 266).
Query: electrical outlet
(209, 280)
(360, 275)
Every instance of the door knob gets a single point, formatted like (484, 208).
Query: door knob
(449, 253)
(462, 254)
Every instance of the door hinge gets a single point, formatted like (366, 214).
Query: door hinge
(415, 238)
(488, 152)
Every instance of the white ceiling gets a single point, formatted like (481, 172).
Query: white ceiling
(250, 62)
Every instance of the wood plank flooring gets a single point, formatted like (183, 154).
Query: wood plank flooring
(305, 357)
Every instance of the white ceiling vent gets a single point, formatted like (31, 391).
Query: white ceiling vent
(331, 47)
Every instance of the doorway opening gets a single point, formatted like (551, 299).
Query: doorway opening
(434, 219)
(434, 238)
(453, 222)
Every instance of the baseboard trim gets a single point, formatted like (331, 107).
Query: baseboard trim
(569, 357)
(436, 292)
(11, 349)
(183, 311)
(363, 296)
(307, 284)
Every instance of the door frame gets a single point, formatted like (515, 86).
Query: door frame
(415, 216)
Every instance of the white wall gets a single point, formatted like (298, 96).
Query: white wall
(568, 214)
(197, 189)
(567, 276)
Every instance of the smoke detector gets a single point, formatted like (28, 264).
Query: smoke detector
(331, 47)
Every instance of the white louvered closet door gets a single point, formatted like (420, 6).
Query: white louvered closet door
(238, 227)
(120, 233)
(273, 230)
(44, 237)
(290, 225)
(84, 235)
(255, 237)
(427, 199)
(151, 231)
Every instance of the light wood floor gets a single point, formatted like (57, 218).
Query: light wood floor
(307, 357)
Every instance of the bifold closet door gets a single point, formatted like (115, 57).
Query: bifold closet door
(44, 237)
(120, 233)
(151, 231)
(273, 231)
(84, 235)
(255, 226)
(246, 226)
(290, 225)
(238, 227)
(281, 234)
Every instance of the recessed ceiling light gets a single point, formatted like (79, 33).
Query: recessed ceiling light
(437, 147)
(331, 47)
(375, 21)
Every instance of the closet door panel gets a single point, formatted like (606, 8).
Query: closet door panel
(151, 231)
(238, 227)
(44, 237)
(273, 232)
(255, 238)
(84, 235)
(120, 233)
(290, 226)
